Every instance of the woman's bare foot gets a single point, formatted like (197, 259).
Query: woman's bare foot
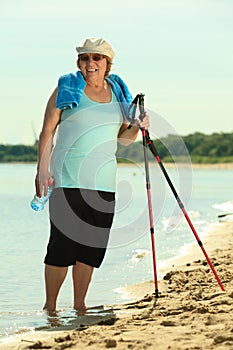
(81, 309)
(50, 307)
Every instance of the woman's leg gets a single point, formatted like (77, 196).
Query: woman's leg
(54, 277)
(82, 274)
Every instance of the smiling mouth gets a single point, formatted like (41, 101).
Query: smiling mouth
(92, 70)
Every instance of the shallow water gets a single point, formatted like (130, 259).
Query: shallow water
(24, 234)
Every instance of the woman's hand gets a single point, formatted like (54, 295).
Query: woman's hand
(42, 181)
(145, 123)
(128, 133)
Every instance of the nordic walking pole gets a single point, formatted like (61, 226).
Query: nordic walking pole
(142, 114)
(181, 205)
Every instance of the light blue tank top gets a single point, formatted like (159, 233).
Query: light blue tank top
(84, 154)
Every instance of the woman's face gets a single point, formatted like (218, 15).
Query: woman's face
(93, 66)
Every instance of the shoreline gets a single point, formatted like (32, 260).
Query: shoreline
(168, 165)
(191, 312)
(188, 257)
(185, 165)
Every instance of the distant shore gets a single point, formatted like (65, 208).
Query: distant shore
(189, 165)
(201, 165)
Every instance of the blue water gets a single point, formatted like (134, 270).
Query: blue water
(24, 235)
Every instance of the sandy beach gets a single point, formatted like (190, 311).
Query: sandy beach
(192, 312)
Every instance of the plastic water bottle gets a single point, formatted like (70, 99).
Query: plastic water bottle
(38, 203)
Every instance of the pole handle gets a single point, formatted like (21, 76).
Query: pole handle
(141, 106)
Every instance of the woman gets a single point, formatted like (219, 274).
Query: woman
(89, 107)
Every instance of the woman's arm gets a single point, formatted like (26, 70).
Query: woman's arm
(127, 136)
(51, 120)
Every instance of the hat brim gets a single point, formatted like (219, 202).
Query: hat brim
(81, 52)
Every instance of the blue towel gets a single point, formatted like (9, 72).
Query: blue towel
(71, 87)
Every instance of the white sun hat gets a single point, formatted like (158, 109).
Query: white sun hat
(95, 45)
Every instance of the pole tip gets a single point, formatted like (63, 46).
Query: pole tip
(156, 294)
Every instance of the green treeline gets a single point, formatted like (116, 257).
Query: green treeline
(18, 153)
(201, 148)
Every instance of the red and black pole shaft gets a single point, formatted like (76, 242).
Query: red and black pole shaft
(148, 189)
(181, 205)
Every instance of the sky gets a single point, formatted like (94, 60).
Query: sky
(179, 53)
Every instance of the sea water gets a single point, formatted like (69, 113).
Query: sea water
(24, 236)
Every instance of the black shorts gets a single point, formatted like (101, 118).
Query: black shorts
(80, 222)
